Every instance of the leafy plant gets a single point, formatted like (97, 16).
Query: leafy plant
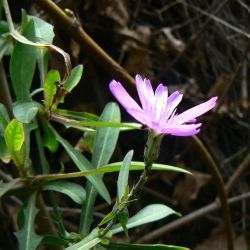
(33, 121)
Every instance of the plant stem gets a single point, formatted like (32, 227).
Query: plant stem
(151, 153)
(220, 188)
(5, 96)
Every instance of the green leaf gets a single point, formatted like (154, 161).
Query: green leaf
(114, 167)
(81, 116)
(119, 246)
(27, 237)
(104, 144)
(50, 86)
(84, 165)
(14, 138)
(148, 214)
(4, 152)
(49, 138)
(5, 187)
(53, 240)
(74, 79)
(107, 218)
(123, 175)
(106, 138)
(43, 30)
(137, 165)
(123, 219)
(22, 65)
(25, 111)
(4, 118)
(76, 192)
(87, 243)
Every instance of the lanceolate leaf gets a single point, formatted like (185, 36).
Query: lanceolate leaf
(114, 167)
(81, 116)
(76, 192)
(74, 78)
(148, 214)
(27, 237)
(106, 138)
(104, 144)
(5, 187)
(22, 65)
(123, 175)
(84, 165)
(118, 246)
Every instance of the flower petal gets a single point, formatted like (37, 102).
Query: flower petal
(161, 98)
(123, 97)
(196, 111)
(173, 100)
(182, 130)
(146, 93)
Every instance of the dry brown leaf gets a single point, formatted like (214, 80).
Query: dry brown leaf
(188, 188)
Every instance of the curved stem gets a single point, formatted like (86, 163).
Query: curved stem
(220, 188)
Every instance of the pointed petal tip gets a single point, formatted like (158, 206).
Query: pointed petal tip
(113, 83)
(138, 78)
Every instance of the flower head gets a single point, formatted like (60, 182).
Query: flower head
(158, 111)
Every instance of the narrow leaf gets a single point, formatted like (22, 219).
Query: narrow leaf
(104, 144)
(81, 116)
(25, 111)
(148, 214)
(106, 138)
(84, 165)
(119, 246)
(74, 78)
(123, 175)
(27, 237)
(76, 192)
(114, 167)
(5, 187)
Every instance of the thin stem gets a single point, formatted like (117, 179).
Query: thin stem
(220, 188)
(45, 170)
(151, 153)
(5, 96)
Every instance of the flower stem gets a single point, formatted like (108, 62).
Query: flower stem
(151, 153)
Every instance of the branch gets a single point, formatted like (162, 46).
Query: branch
(155, 234)
(90, 47)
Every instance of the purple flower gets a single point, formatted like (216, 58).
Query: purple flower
(158, 111)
